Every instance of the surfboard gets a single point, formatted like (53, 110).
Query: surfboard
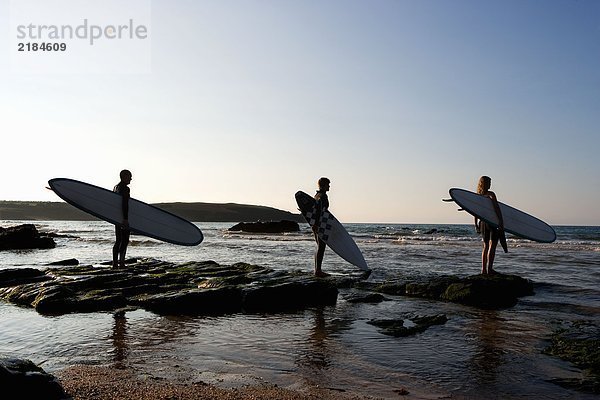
(144, 218)
(331, 231)
(516, 221)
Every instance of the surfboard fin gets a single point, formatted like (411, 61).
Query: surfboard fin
(502, 240)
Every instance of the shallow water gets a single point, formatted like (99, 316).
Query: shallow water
(480, 354)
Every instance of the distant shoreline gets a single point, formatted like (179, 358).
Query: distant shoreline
(197, 212)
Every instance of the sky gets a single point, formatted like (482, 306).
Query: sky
(250, 101)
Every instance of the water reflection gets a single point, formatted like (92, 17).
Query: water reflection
(119, 340)
(488, 355)
(316, 356)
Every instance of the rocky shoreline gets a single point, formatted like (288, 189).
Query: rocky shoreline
(194, 288)
(208, 288)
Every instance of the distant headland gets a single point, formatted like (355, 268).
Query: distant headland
(196, 212)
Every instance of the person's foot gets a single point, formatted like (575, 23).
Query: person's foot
(321, 274)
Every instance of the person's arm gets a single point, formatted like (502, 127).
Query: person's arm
(477, 228)
(125, 207)
(318, 209)
(497, 209)
(325, 202)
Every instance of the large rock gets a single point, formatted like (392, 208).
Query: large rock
(70, 261)
(193, 301)
(484, 291)
(197, 288)
(24, 237)
(266, 227)
(488, 291)
(290, 295)
(22, 379)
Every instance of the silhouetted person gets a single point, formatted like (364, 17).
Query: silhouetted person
(322, 205)
(489, 234)
(122, 229)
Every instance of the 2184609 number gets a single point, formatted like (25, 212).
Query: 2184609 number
(42, 46)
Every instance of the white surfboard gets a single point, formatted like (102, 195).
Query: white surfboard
(144, 218)
(515, 221)
(332, 232)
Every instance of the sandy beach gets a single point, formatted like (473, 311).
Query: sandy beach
(98, 383)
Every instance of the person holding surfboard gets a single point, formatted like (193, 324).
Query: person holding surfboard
(321, 205)
(489, 234)
(122, 230)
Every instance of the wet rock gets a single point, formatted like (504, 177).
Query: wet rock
(19, 276)
(287, 296)
(365, 298)
(399, 327)
(266, 227)
(579, 343)
(488, 291)
(351, 279)
(22, 379)
(70, 261)
(483, 291)
(198, 288)
(22, 237)
(127, 261)
(394, 288)
(193, 302)
(430, 288)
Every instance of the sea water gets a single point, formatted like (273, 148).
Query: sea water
(477, 353)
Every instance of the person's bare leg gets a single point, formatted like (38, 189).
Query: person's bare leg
(123, 248)
(117, 247)
(484, 258)
(491, 256)
(319, 258)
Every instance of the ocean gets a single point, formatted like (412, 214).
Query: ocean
(476, 354)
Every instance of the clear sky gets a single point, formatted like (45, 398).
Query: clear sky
(394, 101)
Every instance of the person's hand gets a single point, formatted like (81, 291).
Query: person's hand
(125, 224)
(315, 229)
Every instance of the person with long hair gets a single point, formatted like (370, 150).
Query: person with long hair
(489, 234)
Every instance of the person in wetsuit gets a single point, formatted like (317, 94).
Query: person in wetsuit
(489, 234)
(322, 205)
(122, 230)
